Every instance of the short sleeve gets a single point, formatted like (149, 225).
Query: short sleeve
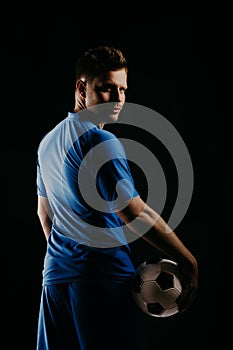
(41, 191)
(114, 179)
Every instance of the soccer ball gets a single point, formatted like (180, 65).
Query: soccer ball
(156, 287)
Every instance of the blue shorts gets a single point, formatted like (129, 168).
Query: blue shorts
(89, 315)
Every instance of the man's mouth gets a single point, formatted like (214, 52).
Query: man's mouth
(116, 109)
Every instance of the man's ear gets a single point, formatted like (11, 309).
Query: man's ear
(81, 88)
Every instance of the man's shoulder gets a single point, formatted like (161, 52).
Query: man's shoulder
(104, 135)
(107, 139)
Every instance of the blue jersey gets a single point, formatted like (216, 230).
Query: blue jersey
(83, 172)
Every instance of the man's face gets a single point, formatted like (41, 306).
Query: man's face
(108, 89)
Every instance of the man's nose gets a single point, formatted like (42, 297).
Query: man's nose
(117, 95)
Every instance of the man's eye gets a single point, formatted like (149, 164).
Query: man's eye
(106, 89)
(111, 89)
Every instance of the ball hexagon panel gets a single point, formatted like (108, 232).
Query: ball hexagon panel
(156, 288)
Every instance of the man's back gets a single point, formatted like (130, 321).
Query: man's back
(68, 169)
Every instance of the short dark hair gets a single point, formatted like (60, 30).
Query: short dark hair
(99, 60)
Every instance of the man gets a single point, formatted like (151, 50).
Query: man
(86, 198)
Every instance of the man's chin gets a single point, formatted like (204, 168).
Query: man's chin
(112, 118)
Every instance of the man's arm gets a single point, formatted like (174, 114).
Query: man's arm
(45, 215)
(139, 216)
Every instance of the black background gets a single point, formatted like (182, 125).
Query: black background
(178, 66)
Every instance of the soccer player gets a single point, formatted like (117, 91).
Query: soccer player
(86, 197)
